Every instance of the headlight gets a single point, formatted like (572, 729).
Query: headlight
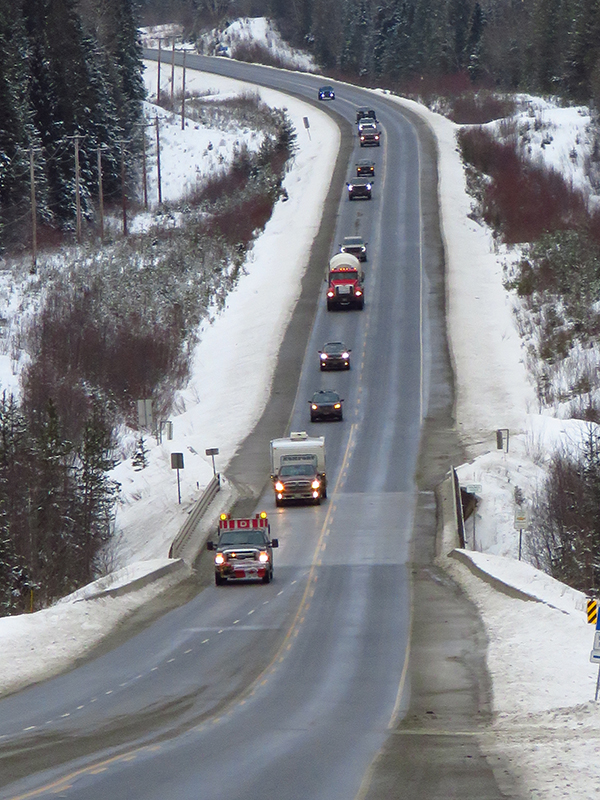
(323, 356)
(315, 484)
(314, 407)
(330, 293)
(345, 355)
(357, 293)
(368, 185)
(263, 557)
(338, 405)
(279, 487)
(219, 558)
(350, 187)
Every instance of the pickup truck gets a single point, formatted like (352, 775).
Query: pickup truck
(369, 133)
(244, 549)
(298, 468)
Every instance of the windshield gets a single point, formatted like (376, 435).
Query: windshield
(241, 537)
(326, 397)
(353, 241)
(347, 275)
(334, 347)
(294, 470)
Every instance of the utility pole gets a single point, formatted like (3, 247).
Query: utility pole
(100, 195)
(77, 189)
(158, 78)
(183, 95)
(123, 193)
(172, 71)
(144, 174)
(158, 162)
(33, 214)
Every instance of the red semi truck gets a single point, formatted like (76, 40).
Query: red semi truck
(346, 282)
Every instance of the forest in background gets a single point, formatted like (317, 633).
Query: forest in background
(70, 73)
(70, 81)
(542, 46)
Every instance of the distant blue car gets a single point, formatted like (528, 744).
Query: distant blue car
(326, 93)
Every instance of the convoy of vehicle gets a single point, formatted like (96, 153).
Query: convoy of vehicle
(298, 468)
(244, 549)
(334, 355)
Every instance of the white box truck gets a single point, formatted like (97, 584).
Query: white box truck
(298, 468)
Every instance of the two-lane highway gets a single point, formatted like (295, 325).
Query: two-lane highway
(286, 690)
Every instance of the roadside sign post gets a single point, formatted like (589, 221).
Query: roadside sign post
(177, 463)
(212, 452)
(521, 524)
(307, 126)
(592, 615)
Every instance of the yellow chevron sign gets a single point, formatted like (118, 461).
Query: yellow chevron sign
(592, 611)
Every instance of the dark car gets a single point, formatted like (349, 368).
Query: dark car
(359, 187)
(326, 405)
(365, 168)
(356, 246)
(326, 93)
(365, 113)
(334, 355)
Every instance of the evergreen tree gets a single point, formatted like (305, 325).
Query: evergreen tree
(17, 133)
(140, 460)
(51, 500)
(583, 54)
(15, 474)
(96, 491)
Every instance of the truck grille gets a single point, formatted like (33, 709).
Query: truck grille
(241, 555)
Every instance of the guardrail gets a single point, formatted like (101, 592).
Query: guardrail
(458, 509)
(188, 527)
